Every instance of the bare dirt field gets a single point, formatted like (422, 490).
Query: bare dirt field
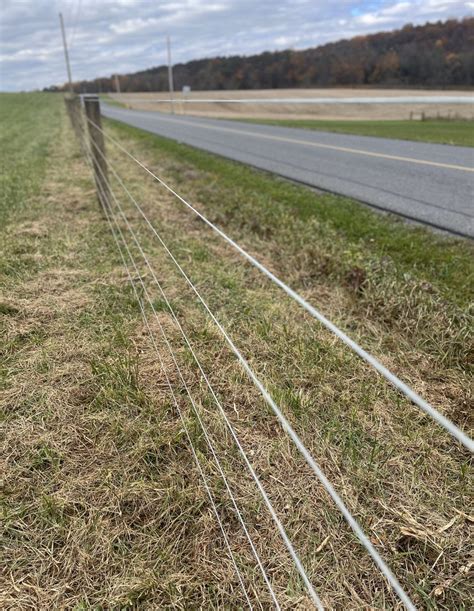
(365, 110)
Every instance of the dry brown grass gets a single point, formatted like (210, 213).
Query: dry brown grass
(360, 429)
(372, 112)
(104, 507)
(101, 502)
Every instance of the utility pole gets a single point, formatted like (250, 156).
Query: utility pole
(66, 54)
(170, 74)
(117, 83)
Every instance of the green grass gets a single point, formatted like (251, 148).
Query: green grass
(357, 233)
(103, 505)
(29, 127)
(111, 101)
(443, 131)
(400, 290)
(96, 466)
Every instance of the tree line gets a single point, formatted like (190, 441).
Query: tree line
(437, 54)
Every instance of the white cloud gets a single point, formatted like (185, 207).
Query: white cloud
(401, 8)
(133, 25)
(285, 41)
(129, 35)
(371, 19)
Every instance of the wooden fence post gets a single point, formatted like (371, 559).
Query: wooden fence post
(73, 106)
(97, 148)
(68, 102)
(77, 120)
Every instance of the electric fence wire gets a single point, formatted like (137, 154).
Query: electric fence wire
(365, 541)
(163, 368)
(262, 491)
(442, 420)
(181, 415)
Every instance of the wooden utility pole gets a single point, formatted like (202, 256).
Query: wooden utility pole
(170, 74)
(94, 123)
(66, 54)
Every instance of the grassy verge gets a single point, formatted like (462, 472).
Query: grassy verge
(24, 163)
(396, 288)
(352, 234)
(103, 505)
(460, 133)
(97, 482)
(112, 101)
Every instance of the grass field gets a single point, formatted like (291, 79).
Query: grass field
(103, 505)
(442, 131)
(104, 97)
(285, 109)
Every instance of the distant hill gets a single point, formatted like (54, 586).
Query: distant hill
(433, 55)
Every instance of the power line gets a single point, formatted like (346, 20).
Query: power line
(75, 23)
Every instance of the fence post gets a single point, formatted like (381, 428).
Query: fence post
(73, 106)
(68, 103)
(76, 115)
(97, 148)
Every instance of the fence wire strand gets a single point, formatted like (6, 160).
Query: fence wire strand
(196, 412)
(262, 491)
(163, 368)
(383, 567)
(442, 420)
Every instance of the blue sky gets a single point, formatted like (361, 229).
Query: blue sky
(108, 36)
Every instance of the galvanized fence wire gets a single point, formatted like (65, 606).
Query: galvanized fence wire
(442, 420)
(198, 462)
(231, 429)
(183, 422)
(365, 541)
(193, 403)
(109, 216)
(262, 491)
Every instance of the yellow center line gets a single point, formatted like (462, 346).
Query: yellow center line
(333, 147)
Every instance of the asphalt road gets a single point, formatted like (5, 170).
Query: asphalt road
(429, 183)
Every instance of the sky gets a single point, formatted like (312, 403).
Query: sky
(109, 36)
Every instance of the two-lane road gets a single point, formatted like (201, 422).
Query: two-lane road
(430, 183)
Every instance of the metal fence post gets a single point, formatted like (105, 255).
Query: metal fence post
(97, 148)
